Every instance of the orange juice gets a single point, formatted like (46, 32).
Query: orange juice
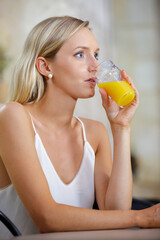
(120, 91)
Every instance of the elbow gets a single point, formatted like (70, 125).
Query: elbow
(51, 220)
(43, 224)
(47, 220)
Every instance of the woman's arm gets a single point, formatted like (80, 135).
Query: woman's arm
(20, 159)
(113, 181)
(119, 187)
(19, 156)
(119, 192)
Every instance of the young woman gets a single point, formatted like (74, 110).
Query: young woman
(53, 164)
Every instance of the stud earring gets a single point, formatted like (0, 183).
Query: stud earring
(50, 75)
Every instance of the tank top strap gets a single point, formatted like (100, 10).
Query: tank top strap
(83, 128)
(32, 123)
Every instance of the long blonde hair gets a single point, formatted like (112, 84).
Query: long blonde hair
(45, 40)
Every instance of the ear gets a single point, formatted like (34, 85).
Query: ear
(43, 66)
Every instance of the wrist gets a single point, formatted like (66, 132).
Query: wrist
(116, 128)
(144, 218)
(136, 218)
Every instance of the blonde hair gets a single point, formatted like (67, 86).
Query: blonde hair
(45, 40)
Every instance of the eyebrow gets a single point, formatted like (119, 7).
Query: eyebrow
(83, 47)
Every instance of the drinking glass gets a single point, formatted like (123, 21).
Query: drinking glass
(109, 78)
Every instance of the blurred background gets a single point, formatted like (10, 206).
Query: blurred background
(128, 32)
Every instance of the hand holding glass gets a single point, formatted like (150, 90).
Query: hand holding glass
(109, 78)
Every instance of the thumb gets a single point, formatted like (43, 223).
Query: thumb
(103, 93)
(105, 97)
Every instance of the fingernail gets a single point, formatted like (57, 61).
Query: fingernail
(100, 90)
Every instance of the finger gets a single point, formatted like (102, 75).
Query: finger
(137, 96)
(103, 93)
(126, 77)
(105, 97)
(130, 81)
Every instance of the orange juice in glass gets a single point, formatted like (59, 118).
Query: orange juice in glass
(109, 78)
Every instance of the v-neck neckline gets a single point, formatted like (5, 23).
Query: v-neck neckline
(49, 160)
(53, 168)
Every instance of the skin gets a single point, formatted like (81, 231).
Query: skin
(62, 138)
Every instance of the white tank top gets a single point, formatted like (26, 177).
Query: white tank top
(79, 192)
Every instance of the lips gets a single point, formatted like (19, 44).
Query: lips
(92, 81)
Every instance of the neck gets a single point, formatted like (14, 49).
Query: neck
(55, 107)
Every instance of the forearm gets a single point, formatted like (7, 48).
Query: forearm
(68, 218)
(119, 191)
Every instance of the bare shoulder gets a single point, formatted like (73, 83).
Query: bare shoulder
(93, 125)
(14, 119)
(10, 108)
(11, 112)
(96, 133)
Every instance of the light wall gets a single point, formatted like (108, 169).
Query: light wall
(136, 48)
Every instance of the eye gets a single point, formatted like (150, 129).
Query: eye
(96, 55)
(79, 54)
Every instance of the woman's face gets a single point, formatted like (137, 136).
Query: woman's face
(75, 65)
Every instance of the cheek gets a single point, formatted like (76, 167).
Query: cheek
(70, 73)
(65, 79)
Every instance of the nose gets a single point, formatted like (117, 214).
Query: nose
(93, 64)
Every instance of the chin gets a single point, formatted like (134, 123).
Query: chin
(88, 94)
(91, 95)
